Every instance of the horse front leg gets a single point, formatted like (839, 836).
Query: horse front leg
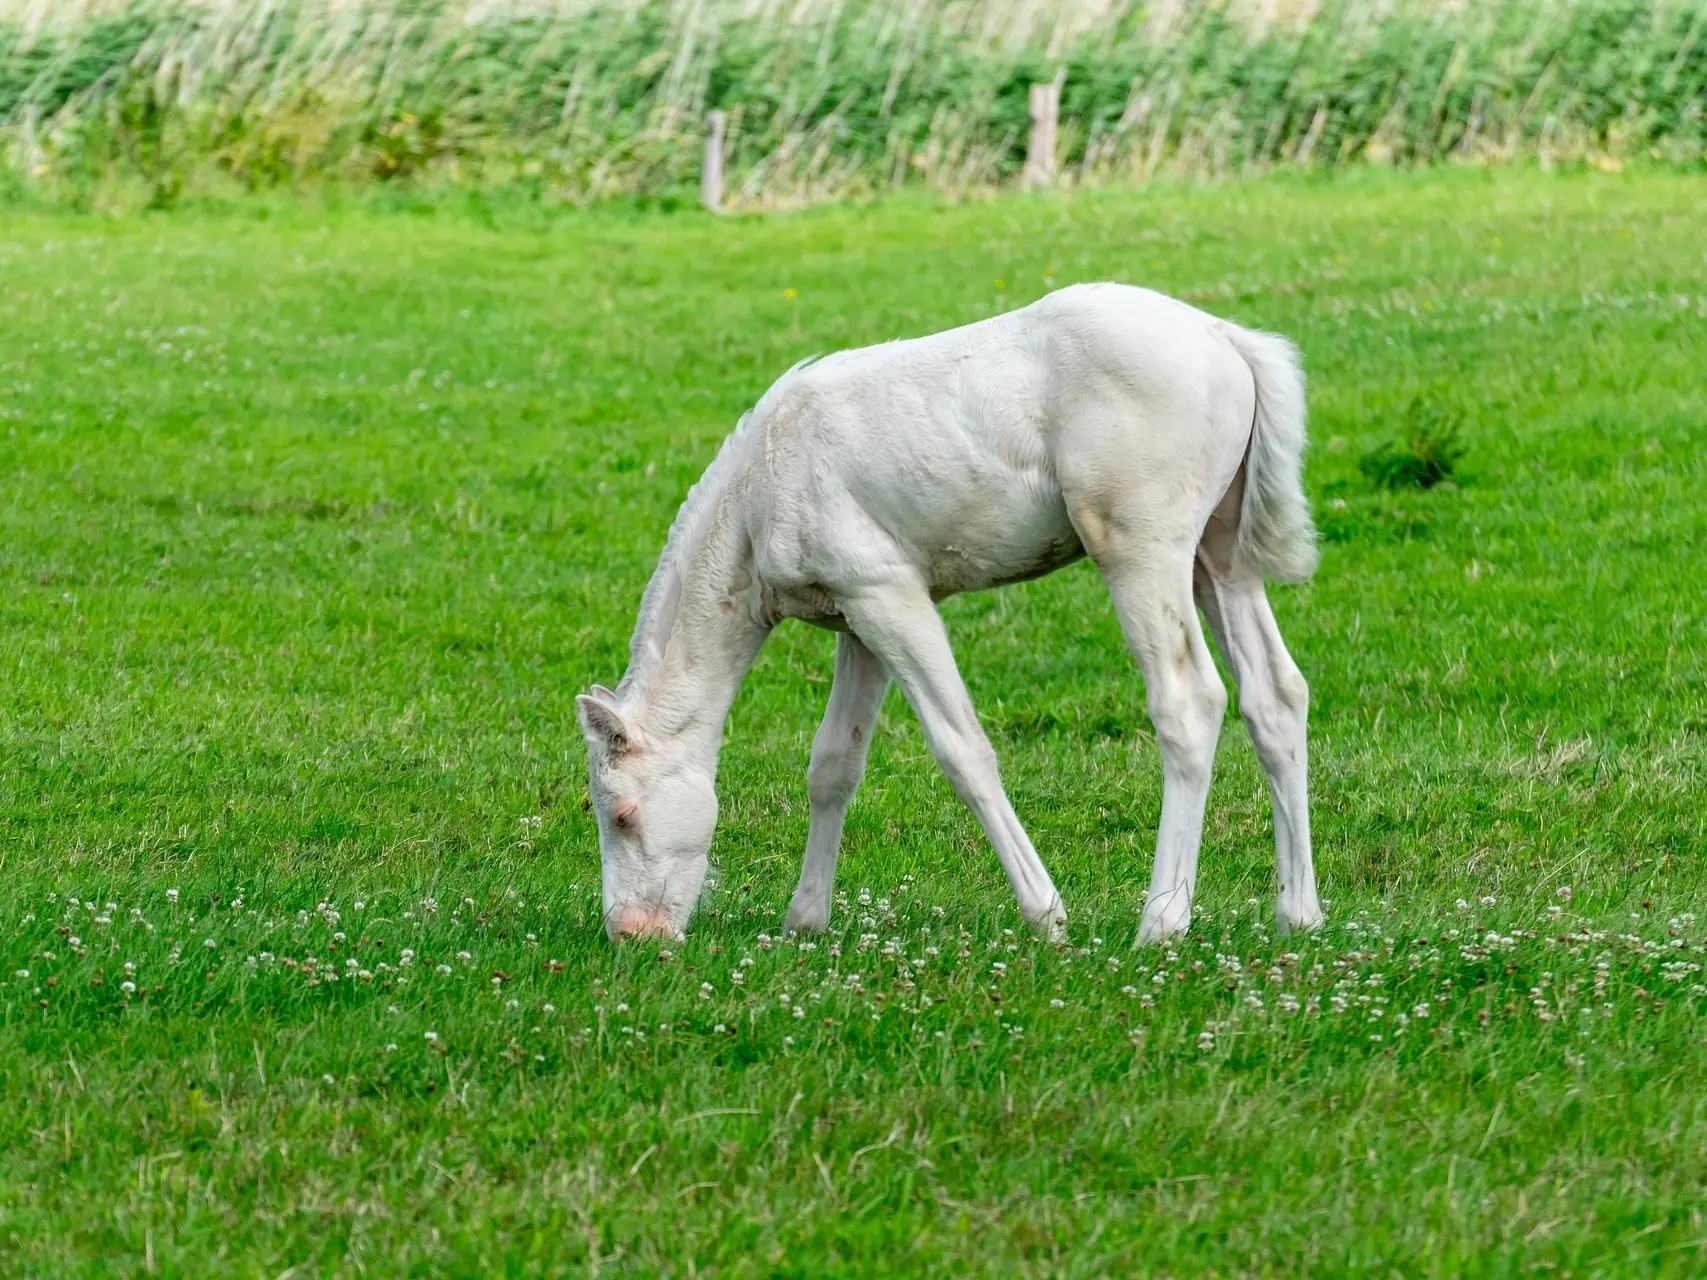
(901, 626)
(838, 763)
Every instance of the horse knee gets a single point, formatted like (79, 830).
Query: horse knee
(833, 775)
(969, 761)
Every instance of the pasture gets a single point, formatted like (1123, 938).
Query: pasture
(316, 518)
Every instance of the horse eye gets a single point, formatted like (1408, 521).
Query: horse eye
(624, 812)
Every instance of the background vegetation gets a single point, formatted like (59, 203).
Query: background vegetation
(313, 522)
(140, 102)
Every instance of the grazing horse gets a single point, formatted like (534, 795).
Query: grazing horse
(1101, 420)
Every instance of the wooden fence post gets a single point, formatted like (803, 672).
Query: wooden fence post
(711, 171)
(1040, 147)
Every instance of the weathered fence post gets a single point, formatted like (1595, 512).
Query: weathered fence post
(1040, 147)
(28, 142)
(711, 171)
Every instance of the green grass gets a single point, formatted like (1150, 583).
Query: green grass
(314, 521)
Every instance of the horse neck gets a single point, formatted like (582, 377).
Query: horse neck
(701, 625)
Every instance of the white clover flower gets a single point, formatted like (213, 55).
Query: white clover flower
(432, 1037)
(464, 955)
(129, 988)
(549, 1008)
(209, 943)
(1057, 1004)
(1129, 991)
(407, 958)
(799, 1011)
(391, 1048)
(22, 973)
(443, 969)
(512, 1004)
(719, 1028)
(172, 896)
(1488, 900)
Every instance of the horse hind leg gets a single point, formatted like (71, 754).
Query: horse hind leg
(1274, 702)
(1153, 599)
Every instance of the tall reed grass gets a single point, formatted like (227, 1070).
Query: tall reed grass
(583, 99)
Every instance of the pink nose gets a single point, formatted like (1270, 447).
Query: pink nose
(640, 922)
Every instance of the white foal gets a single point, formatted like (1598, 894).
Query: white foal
(1102, 420)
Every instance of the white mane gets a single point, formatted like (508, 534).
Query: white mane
(661, 602)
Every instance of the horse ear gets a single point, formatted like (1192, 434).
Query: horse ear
(604, 695)
(602, 721)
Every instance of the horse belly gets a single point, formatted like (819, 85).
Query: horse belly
(1001, 544)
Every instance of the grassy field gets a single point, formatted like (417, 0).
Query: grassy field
(315, 520)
